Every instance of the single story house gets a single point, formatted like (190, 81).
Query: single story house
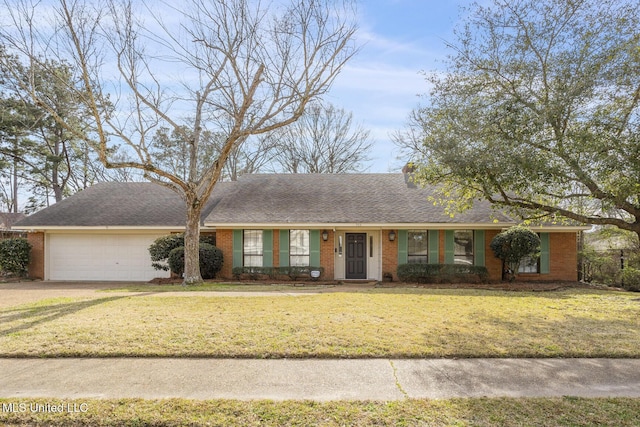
(355, 226)
(7, 219)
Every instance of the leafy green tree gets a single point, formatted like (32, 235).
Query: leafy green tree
(512, 246)
(538, 112)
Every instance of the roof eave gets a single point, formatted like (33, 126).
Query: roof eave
(363, 225)
(33, 228)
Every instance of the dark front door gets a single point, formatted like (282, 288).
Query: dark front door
(356, 256)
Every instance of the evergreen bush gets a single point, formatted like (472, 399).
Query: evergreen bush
(14, 256)
(630, 279)
(162, 247)
(210, 260)
(513, 245)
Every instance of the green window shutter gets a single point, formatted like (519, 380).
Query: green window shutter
(237, 248)
(403, 244)
(545, 264)
(314, 248)
(449, 247)
(478, 250)
(267, 248)
(434, 246)
(284, 248)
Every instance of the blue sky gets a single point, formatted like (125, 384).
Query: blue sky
(380, 86)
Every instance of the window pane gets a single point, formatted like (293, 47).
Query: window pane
(463, 247)
(417, 259)
(252, 248)
(253, 242)
(299, 242)
(417, 247)
(529, 265)
(299, 261)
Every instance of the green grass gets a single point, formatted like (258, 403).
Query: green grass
(390, 323)
(565, 411)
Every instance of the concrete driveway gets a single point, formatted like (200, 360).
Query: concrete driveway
(16, 293)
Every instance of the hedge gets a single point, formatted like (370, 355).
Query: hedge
(294, 273)
(442, 273)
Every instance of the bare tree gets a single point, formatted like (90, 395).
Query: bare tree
(225, 66)
(324, 140)
(254, 156)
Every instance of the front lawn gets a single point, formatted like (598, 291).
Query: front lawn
(504, 412)
(390, 323)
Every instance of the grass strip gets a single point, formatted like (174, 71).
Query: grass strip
(567, 411)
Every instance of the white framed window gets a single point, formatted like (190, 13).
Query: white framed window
(463, 247)
(299, 248)
(417, 247)
(529, 264)
(252, 250)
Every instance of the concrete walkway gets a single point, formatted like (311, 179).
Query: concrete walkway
(372, 379)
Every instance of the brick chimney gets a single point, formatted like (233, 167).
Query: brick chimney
(408, 172)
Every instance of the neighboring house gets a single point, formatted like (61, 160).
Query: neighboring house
(7, 219)
(356, 226)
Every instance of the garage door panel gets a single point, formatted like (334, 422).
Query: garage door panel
(101, 257)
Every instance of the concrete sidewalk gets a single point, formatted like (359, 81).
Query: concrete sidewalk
(282, 379)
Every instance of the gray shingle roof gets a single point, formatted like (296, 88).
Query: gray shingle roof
(261, 199)
(336, 199)
(114, 204)
(7, 219)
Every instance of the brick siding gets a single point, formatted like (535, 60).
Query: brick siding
(563, 255)
(389, 254)
(493, 264)
(224, 241)
(563, 259)
(327, 255)
(36, 257)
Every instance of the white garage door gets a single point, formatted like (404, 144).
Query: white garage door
(101, 257)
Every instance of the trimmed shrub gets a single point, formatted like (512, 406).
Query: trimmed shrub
(14, 256)
(176, 261)
(630, 279)
(442, 273)
(162, 247)
(210, 260)
(513, 245)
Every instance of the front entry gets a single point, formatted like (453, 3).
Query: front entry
(356, 259)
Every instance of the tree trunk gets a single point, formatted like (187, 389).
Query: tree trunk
(192, 242)
(14, 186)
